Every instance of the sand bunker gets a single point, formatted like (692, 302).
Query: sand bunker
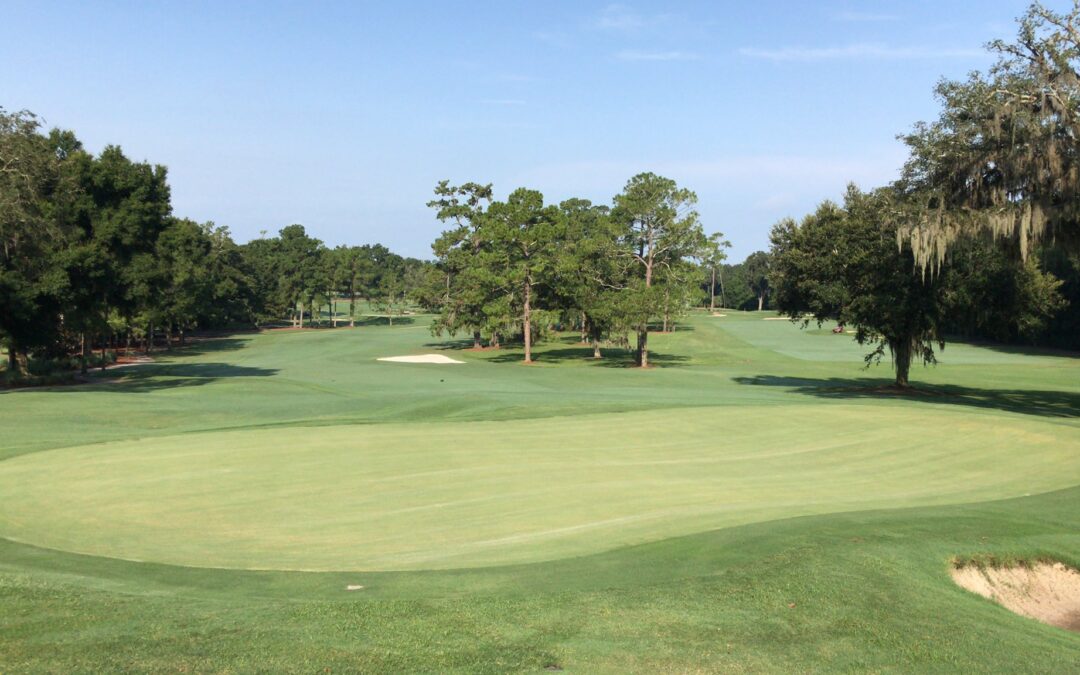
(718, 314)
(776, 318)
(420, 358)
(1048, 592)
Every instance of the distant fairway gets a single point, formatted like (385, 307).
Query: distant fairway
(757, 501)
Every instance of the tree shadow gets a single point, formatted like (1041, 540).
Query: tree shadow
(197, 346)
(455, 344)
(1018, 350)
(381, 321)
(143, 378)
(1025, 401)
(612, 358)
(152, 376)
(658, 329)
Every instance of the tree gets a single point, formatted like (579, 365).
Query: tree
(121, 209)
(458, 251)
(756, 271)
(521, 236)
(298, 266)
(391, 286)
(1004, 156)
(660, 229)
(588, 275)
(30, 235)
(842, 263)
(991, 292)
(713, 256)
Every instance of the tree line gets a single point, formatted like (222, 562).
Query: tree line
(91, 256)
(517, 268)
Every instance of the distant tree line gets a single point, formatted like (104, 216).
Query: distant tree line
(518, 268)
(92, 257)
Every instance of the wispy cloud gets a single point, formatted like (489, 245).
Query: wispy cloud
(864, 16)
(861, 51)
(503, 101)
(621, 18)
(639, 55)
(559, 39)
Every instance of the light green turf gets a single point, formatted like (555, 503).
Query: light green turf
(503, 517)
(400, 496)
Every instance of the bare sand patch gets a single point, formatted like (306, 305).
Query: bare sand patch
(420, 358)
(776, 318)
(1047, 592)
(718, 314)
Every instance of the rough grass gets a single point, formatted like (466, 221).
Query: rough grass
(728, 582)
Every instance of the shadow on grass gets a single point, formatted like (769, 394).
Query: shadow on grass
(152, 377)
(143, 378)
(199, 346)
(1025, 401)
(382, 321)
(612, 358)
(1020, 350)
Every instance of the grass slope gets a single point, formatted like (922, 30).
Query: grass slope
(611, 519)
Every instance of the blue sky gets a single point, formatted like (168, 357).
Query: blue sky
(342, 116)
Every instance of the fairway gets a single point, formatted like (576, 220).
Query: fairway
(237, 488)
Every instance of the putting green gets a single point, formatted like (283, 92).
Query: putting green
(458, 494)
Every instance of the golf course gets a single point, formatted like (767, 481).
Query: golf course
(756, 500)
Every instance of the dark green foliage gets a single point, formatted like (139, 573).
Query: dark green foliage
(993, 294)
(91, 257)
(1002, 156)
(842, 264)
(756, 272)
(607, 272)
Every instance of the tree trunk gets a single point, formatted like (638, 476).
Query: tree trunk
(352, 309)
(13, 363)
(901, 353)
(333, 312)
(528, 322)
(476, 340)
(82, 353)
(596, 350)
(712, 292)
(584, 327)
(168, 336)
(642, 356)
(760, 301)
(300, 313)
(22, 362)
(150, 338)
(181, 328)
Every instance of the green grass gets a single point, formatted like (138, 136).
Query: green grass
(756, 502)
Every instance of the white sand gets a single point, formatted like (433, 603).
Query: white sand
(1048, 592)
(420, 358)
(775, 318)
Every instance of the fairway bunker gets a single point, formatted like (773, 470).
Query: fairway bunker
(420, 358)
(1044, 591)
